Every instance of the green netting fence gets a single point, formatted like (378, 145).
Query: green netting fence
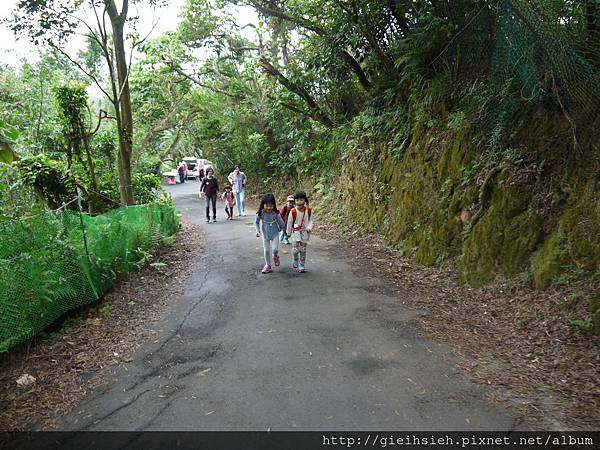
(58, 261)
(553, 48)
(532, 52)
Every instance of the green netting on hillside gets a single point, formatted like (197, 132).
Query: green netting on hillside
(47, 270)
(552, 49)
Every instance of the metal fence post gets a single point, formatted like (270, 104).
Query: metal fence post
(85, 243)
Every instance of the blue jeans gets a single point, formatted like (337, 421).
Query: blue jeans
(239, 201)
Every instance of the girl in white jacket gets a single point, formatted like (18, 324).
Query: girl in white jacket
(299, 226)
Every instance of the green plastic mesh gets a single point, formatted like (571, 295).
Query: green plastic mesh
(47, 271)
(553, 49)
(531, 51)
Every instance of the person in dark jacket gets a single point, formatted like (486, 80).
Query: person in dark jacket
(181, 172)
(210, 188)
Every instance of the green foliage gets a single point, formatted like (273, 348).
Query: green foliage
(583, 325)
(147, 187)
(18, 198)
(456, 120)
(105, 310)
(26, 103)
(7, 140)
(526, 278)
(470, 172)
(403, 104)
(91, 56)
(48, 179)
(71, 101)
(521, 323)
(168, 241)
(104, 148)
(571, 272)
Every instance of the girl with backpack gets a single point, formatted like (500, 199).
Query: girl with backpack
(229, 198)
(299, 226)
(284, 212)
(269, 223)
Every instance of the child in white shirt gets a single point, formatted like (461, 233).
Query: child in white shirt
(299, 226)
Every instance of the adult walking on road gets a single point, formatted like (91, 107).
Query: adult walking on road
(181, 173)
(237, 179)
(210, 188)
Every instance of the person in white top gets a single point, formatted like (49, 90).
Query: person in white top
(237, 179)
(299, 227)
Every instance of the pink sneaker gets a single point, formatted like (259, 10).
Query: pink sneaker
(276, 260)
(266, 269)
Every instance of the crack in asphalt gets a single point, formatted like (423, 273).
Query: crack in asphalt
(180, 326)
(116, 410)
(203, 358)
(157, 415)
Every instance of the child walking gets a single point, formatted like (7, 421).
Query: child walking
(299, 226)
(229, 198)
(284, 212)
(269, 223)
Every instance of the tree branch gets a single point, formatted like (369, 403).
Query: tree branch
(80, 67)
(316, 112)
(175, 68)
(354, 16)
(290, 106)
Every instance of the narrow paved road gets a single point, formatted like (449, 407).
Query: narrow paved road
(285, 351)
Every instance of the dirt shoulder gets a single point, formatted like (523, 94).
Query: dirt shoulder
(511, 339)
(73, 361)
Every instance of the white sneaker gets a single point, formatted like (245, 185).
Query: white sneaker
(244, 213)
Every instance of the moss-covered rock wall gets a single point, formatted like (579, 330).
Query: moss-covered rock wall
(438, 201)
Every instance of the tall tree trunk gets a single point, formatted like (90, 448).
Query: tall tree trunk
(123, 99)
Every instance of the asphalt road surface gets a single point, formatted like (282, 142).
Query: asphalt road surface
(284, 351)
